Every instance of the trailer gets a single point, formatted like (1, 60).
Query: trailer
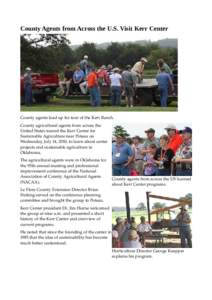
(146, 94)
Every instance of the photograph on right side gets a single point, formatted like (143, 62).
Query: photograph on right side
(152, 149)
(152, 220)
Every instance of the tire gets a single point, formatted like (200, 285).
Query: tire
(42, 98)
(144, 97)
(22, 100)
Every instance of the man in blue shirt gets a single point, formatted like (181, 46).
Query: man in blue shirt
(122, 156)
(78, 78)
(28, 87)
(164, 81)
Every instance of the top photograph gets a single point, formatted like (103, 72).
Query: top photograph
(58, 75)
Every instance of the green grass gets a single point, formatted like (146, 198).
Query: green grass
(58, 104)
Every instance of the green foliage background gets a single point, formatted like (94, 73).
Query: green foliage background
(50, 54)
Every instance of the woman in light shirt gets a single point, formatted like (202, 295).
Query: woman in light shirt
(116, 86)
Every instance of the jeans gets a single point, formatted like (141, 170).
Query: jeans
(163, 172)
(180, 172)
(116, 95)
(95, 96)
(120, 170)
(163, 96)
(28, 94)
(185, 236)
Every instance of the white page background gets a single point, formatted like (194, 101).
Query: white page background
(86, 270)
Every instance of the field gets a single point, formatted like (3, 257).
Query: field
(82, 105)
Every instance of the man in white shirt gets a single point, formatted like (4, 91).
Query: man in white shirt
(116, 86)
(144, 229)
(137, 146)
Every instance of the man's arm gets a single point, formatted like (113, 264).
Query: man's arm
(141, 69)
(121, 82)
(188, 219)
(130, 159)
(171, 84)
(183, 160)
(131, 156)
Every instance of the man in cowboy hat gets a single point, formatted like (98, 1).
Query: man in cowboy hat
(184, 221)
(138, 69)
(133, 240)
(122, 156)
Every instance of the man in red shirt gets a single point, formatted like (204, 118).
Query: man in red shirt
(175, 139)
(93, 87)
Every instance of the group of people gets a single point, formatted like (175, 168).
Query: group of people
(85, 78)
(171, 154)
(129, 234)
(88, 79)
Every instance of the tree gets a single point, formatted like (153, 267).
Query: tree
(45, 53)
(40, 40)
(168, 54)
(141, 206)
(50, 52)
(187, 197)
(88, 49)
(113, 54)
(119, 130)
(158, 205)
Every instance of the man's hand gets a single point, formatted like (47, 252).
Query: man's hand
(178, 159)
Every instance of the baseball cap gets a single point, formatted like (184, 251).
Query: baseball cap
(150, 130)
(187, 129)
(170, 126)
